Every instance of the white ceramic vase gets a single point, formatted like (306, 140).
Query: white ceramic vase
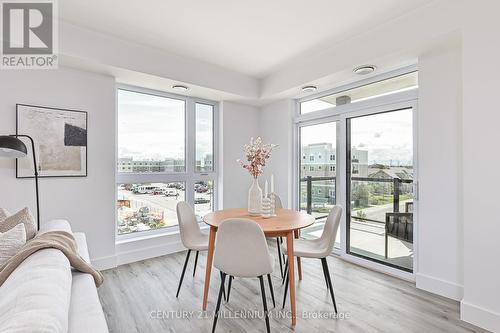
(255, 198)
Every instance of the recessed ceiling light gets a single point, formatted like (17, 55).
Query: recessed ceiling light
(180, 87)
(309, 88)
(365, 69)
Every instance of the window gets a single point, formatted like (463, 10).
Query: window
(332, 157)
(317, 190)
(158, 160)
(203, 197)
(376, 89)
(204, 137)
(151, 129)
(380, 187)
(311, 158)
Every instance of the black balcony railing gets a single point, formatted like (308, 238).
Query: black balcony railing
(397, 191)
(321, 191)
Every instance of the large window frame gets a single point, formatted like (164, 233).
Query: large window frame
(340, 114)
(189, 176)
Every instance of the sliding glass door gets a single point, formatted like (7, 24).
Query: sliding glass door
(355, 148)
(380, 177)
(318, 173)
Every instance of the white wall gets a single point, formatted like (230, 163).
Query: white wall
(481, 161)
(238, 124)
(88, 203)
(276, 128)
(440, 226)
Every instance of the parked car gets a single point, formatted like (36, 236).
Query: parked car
(171, 192)
(145, 189)
(202, 189)
(158, 191)
(201, 200)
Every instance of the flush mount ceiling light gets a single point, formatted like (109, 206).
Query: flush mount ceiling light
(180, 87)
(365, 69)
(309, 88)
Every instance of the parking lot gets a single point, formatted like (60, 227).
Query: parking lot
(157, 205)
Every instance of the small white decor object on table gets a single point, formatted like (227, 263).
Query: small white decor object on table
(256, 153)
(272, 197)
(266, 203)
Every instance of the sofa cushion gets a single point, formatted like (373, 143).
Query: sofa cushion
(11, 241)
(36, 296)
(23, 216)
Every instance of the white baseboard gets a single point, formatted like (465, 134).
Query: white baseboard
(138, 249)
(127, 257)
(438, 286)
(479, 316)
(104, 263)
(377, 267)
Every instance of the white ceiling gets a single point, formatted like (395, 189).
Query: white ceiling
(253, 37)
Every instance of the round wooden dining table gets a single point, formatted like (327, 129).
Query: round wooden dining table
(286, 223)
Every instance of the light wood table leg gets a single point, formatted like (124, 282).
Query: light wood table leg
(299, 262)
(208, 268)
(291, 276)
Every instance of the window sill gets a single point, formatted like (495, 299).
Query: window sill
(130, 239)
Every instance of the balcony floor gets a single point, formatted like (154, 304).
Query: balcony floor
(368, 239)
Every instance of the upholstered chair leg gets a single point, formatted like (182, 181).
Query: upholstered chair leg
(283, 253)
(270, 287)
(286, 272)
(330, 284)
(195, 262)
(263, 291)
(279, 256)
(229, 287)
(286, 289)
(216, 315)
(183, 271)
(223, 287)
(324, 274)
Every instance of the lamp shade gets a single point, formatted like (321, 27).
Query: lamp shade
(12, 147)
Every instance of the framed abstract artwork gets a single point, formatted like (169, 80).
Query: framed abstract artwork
(60, 138)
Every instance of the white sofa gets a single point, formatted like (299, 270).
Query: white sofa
(45, 295)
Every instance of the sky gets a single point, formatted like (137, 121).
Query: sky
(153, 127)
(387, 136)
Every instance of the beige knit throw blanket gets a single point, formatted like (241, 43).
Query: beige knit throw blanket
(60, 240)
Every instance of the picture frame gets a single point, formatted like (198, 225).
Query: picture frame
(60, 137)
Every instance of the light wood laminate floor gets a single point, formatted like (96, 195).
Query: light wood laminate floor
(140, 297)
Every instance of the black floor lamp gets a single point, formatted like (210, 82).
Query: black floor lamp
(12, 147)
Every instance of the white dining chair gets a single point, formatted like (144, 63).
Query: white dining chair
(191, 235)
(319, 248)
(241, 251)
